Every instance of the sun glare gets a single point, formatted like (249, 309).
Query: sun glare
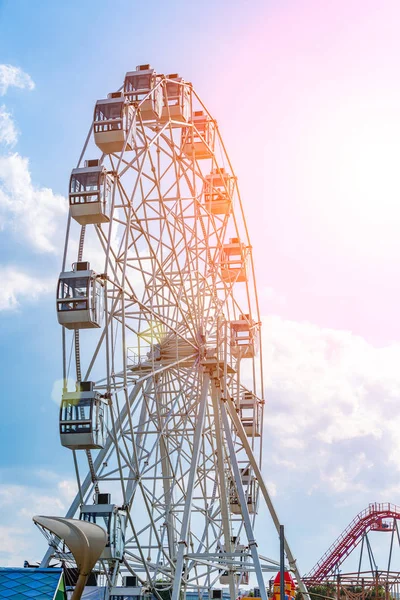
(354, 188)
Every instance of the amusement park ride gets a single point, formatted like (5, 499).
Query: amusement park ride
(368, 580)
(161, 331)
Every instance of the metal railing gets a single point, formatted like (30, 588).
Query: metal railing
(361, 523)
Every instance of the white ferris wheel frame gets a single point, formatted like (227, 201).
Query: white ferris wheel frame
(176, 445)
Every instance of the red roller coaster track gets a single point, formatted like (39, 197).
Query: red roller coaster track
(369, 519)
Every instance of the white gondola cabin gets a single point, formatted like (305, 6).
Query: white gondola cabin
(83, 418)
(241, 577)
(128, 592)
(250, 413)
(141, 86)
(234, 261)
(249, 483)
(90, 193)
(225, 578)
(176, 105)
(244, 337)
(114, 124)
(80, 298)
(198, 140)
(113, 520)
(218, 191)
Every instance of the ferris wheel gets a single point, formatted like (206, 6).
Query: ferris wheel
(161, 333)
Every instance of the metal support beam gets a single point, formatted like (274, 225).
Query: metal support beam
(167, 474)
(190, 489)
(282, 562)
(257, 471)
(216, 399)
(243, 503)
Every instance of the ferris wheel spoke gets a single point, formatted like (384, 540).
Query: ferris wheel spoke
(165, 278)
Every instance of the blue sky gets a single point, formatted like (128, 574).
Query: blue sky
(313, 135)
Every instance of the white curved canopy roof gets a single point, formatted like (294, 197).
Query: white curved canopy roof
(85, 540)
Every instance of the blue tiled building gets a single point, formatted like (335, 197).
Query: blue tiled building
(30, 583)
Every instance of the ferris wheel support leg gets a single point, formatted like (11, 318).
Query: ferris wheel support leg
(176, 590)
(216, 396)
(243, 438)
(168, 495)
(167, 475)
(88, 480)
(243, 504)
(140, 435)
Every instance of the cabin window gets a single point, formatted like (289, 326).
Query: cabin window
(111, 113)
(85, 182)
(73, 293)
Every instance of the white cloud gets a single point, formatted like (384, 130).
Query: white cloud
(331, 412)
(21, 539)
(343, 478)
(11, 77)
(272, 489)
(13, 540)
(7, 494)
(67, 489)
(57, 389)
(14, 77)
(8, 131)
(36, 214)
(272, 298)
(16, 285)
